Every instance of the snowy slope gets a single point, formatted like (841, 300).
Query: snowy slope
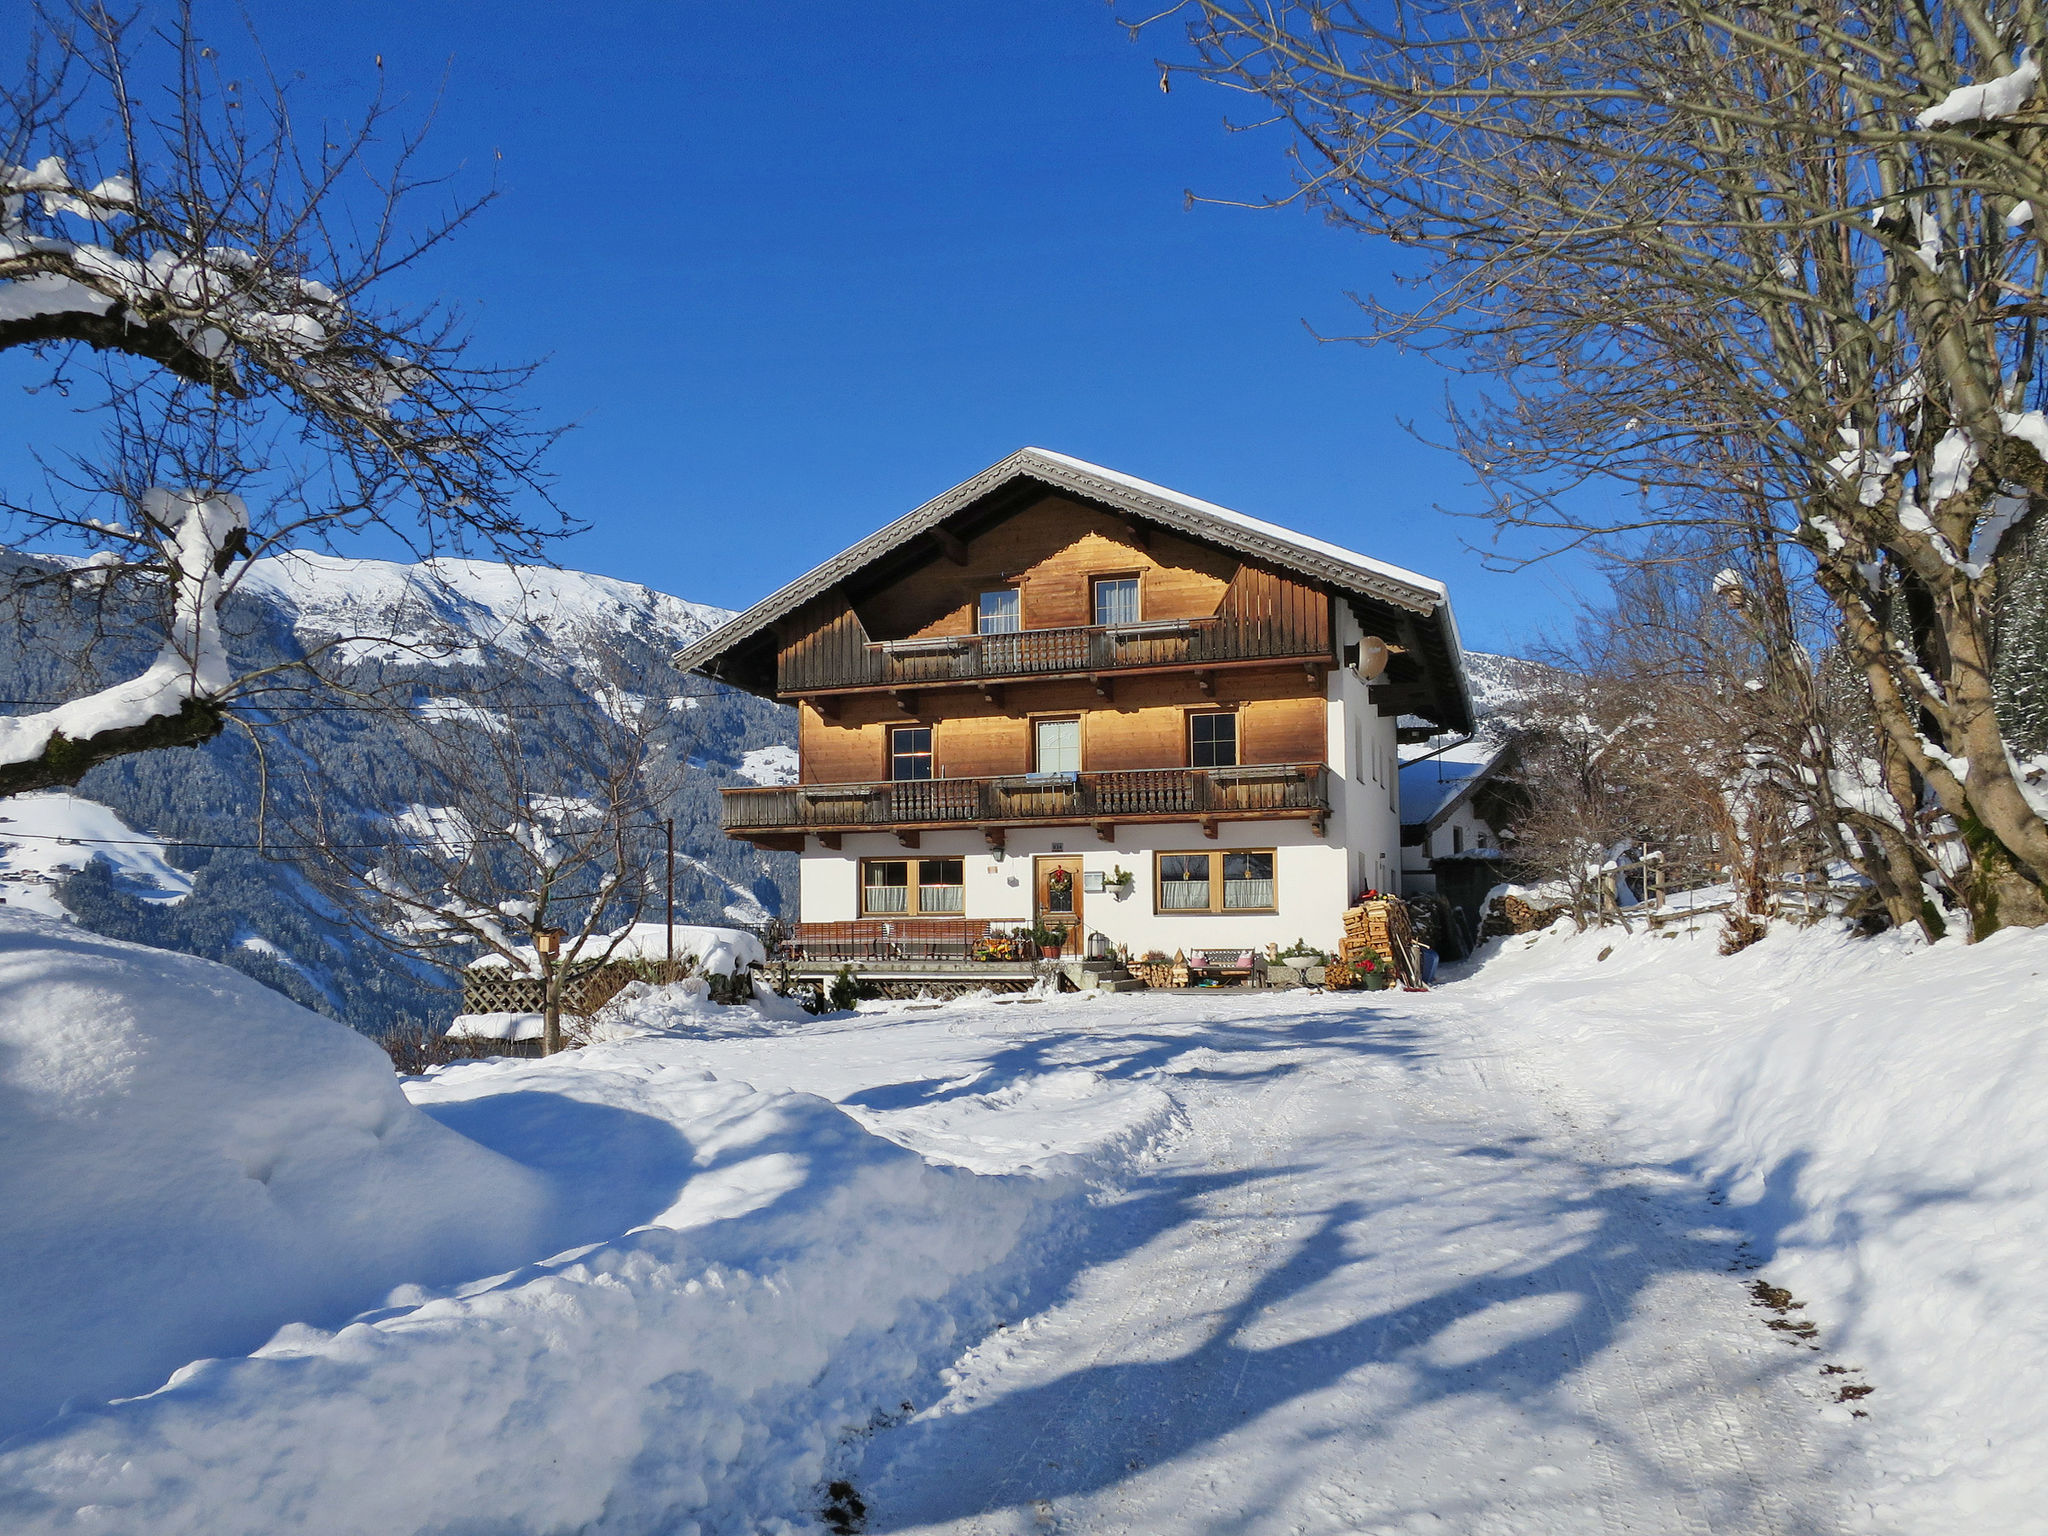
(444, 635)
(1872, 1110)
(405, 611)
(46, 838)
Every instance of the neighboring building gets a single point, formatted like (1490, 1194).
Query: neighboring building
(1053, 673)
(1455, 805)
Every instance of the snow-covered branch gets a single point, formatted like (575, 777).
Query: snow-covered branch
(177, 700)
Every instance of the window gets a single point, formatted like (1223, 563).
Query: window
(1457, 839)
(910, 751)
(1248, 882)
(1184, 882)
(1116, 600)
(886, 889)
(942, 887)
(1212, 740)
(1187, 882)
(1002, 613)
(1057, 746)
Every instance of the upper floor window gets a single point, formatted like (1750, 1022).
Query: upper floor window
(1002, 613)
(1116, 600)
(910, 752)
(1058, 746)
(1212, 740)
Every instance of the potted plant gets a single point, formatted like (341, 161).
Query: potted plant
(1050, 941)
(1120, 881)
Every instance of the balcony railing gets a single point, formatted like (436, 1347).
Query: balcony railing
(838, 660)
(1151, 794)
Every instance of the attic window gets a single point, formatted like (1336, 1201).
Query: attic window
(1001, 613)
(1116, 600)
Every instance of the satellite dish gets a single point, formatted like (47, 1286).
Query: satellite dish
(1373, 656)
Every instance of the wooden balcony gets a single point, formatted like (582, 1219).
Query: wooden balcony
(1263, 619)
(783, 815)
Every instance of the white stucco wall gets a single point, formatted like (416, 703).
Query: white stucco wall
(1311, 879)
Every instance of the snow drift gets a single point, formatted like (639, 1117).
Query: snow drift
(189, 1160)
(742, 1280)
(1873, 1110)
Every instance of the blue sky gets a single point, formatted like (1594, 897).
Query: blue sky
(798, 267)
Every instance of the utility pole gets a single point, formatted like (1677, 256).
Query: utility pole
(671, 824)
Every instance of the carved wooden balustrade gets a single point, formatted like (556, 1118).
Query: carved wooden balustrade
(1149, 794)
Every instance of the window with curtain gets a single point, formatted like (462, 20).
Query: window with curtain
(1193, 882)
(1116, 600)
(1058, 746)
(1248, 882)
(1184, 882)
(913, 887)
(885, 887)
(1002, 613)
(1212, 740)
(941, 887)
(910, 752)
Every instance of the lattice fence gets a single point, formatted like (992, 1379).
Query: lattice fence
(585, 988)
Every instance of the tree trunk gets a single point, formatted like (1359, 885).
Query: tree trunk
(551, 1006)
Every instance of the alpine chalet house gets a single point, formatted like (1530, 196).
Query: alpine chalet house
(1061, 697)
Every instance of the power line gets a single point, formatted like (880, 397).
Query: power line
(437, 845)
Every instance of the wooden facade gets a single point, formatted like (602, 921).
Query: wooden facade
(1199, 611)
(1212, 633)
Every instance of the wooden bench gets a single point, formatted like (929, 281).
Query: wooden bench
(1226, 965)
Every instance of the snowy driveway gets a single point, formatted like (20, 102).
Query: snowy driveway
(1364, 1283)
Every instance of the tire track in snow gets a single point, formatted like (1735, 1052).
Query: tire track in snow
(1373, 1294)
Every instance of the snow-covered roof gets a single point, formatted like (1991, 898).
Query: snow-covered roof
(1418, 604)
(726, 951)
(1433, 787)
(1254, 524)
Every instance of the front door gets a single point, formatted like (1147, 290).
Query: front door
(1056, 901)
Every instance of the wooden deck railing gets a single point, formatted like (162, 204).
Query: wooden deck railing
(1085, 650)
(1148, 794)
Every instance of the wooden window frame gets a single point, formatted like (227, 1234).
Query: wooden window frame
(1033, 720)
(1187, 737)
(913, 874)
(1096, 578)
(889, 753)
(1216, 883)
(1018, 590)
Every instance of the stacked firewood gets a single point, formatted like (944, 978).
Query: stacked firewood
(1510, 914)
(1378, 929)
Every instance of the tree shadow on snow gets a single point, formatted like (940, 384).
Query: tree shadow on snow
(1568, 1296)
(1248, 1050)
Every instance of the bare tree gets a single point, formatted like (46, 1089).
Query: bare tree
(529, 836)
(212, 278)
(1781, 252)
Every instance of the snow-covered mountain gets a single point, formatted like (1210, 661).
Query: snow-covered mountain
(546, 615)
(159, 843)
